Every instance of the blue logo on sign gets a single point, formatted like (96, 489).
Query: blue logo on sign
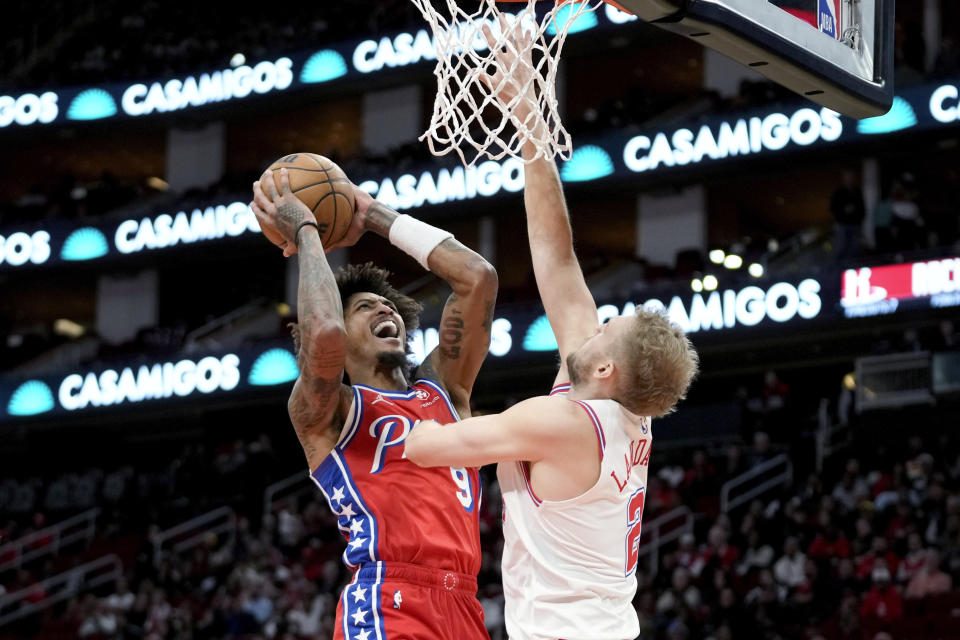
(323, 66)
(275, 366)
(566, 13)
(901, 116)
(540, 336)
(85, 243)
(92, 104)
(30, 398)
(587, 163)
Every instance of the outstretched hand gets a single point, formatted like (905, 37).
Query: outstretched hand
(279, 212)
(516, 90)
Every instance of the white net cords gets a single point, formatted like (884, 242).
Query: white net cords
(468, 117)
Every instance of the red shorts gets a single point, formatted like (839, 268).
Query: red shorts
(396, 601)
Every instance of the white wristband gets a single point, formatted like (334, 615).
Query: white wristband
(415, 238)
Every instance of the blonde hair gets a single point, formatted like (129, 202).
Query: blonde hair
(658, 364)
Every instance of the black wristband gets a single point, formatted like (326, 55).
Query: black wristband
(296, 236)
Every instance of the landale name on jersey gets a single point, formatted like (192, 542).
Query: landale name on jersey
(639, 456)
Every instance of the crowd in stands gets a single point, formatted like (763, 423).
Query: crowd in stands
(175, 38)
(867, 547)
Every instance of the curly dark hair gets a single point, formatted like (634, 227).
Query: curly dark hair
(356, 278)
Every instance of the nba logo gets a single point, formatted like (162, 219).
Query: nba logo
(828, 17)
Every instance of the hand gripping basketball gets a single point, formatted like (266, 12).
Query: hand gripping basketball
(279, 213)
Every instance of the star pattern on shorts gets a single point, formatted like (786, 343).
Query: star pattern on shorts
(360, 617)
(362, 635)
(360, 595)
(357, 543)
(337, 495)
(356, 526)
(347, 511)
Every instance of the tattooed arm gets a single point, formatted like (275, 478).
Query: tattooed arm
(316, 403)
(467, 316)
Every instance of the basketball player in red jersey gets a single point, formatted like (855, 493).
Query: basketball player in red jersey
(413, 534)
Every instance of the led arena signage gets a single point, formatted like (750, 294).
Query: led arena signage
(227, 84)
(20, 248)
(149, 382)
(79, 392)
(873, 291)
(133, 236)
(448, 185)
(28, 108)
(945, 104)
(743, 137)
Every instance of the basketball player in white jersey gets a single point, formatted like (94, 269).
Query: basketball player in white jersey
(573, 465)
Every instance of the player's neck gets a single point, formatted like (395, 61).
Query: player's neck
(584, 391)
(382, 378)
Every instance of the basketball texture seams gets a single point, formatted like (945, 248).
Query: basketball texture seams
(333, 214)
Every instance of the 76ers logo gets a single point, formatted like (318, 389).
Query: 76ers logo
(422, 395)
(389, 431)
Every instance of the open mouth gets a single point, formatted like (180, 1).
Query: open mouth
(386, 329)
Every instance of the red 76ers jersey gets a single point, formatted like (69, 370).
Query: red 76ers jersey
(388, 508)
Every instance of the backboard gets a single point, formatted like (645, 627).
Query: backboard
(838, 53)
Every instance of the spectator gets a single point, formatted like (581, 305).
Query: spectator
(913, 561)
(846, 205)
(882, 603)
(852, 487)
(681, 594)
(906, 222)
(929, 580)
(789, 569)
(689, 556)
(830, 544)
(717, 549)
(878, 556)
(756, 556)
(761, 449)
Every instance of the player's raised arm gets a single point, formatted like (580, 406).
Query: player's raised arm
(468, 313)
(315, 402)
(568, 302)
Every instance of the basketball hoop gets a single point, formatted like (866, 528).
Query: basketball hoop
(464, 100)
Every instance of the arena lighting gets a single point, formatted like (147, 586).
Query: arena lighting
(710, 283)
(68, 328)
(733, 261)
(755, 269)
(717, 256)
(850, 381)
(283, 309)
(696, 285)
(155, 182)
(237, 60)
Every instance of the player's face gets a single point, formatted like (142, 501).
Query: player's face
(374, 328)
(602, 344)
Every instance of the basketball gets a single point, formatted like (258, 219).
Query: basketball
(324, 188)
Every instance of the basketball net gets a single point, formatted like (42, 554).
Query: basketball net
(468, 118)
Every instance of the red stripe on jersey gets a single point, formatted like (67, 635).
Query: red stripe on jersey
(601, 440)
(526, 479)
(560, 388)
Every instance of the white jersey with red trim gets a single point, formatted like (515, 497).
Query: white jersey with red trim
(569, 566)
